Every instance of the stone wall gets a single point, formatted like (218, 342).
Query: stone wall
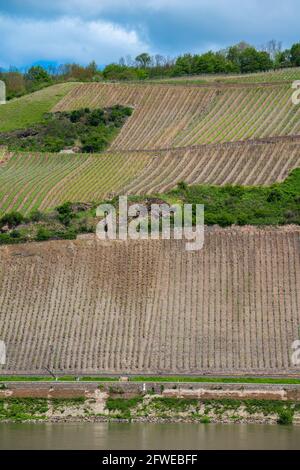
(168, 389)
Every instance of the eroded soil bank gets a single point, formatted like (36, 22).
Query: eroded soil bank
(155, 403)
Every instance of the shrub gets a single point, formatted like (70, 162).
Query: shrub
(12, 219)
(92, 143)
(76, 115)
(174, 404)
(15, 234)
(205, 419)
(96, 117)
(242, 219)
(65, 213)
(274, 195)
(182, 186)
(86, 130)
(285, 416)
(43, 234)
(5, 238)
(36, 216)
(70, 234)
(233, 190)
(123, 404)
(224, 220)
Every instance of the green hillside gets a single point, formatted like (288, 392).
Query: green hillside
(29, 109)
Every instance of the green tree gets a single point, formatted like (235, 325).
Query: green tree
(143, 60)
(264, 60)
(295, 55)
(122, 72)
(184, 64)
(38, 74)
(283, 59)
(205, 63)
(252, 60)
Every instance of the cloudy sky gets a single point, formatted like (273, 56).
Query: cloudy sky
(105, 30)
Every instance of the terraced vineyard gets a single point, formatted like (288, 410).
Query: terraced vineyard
(245, 113)
(86, 306)
(160, 112)
(175, 116)
(93, 307)
(41, 181)
(245, 163)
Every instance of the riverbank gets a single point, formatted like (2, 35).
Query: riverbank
(148, 409)
(149, 402)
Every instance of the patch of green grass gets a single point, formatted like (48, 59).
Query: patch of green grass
(266, 407)
(277, 204)
(179, 379)
(241, 380)
(123, 406)
(61, 403)
(99, 379)
(48, 378)
(173, 404)
(29, 109)
(23, 409)
(18, 378)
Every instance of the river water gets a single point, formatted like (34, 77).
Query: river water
(114, 436)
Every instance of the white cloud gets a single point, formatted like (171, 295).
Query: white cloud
(64, 29)
(65, 39)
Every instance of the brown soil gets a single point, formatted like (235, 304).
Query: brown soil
(152, 307)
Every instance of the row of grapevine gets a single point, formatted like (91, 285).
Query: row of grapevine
(175, 116)
(148, 307)
(245, 113)
(160, 112)
(245, 163)
(30, 181)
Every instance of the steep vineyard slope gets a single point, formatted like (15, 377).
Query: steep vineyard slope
(160, 112)
(30, 181)
(244, 113)
(174, 116)
(251, 163)
(41, 181)
(138, 307)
